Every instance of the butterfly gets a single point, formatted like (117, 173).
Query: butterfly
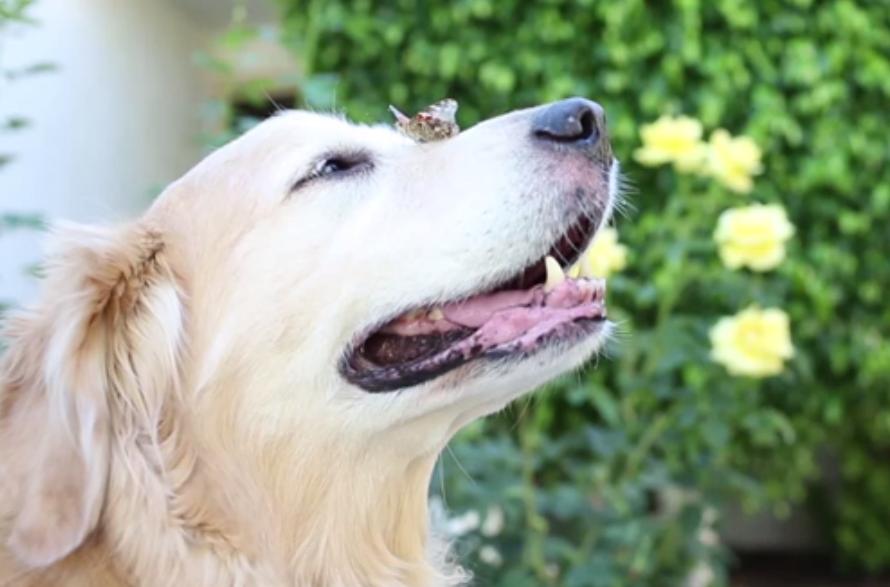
(434, 123)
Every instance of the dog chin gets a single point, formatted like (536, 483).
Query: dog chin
(489, 385)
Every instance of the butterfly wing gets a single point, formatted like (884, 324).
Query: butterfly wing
(401, 119)
(444, 110)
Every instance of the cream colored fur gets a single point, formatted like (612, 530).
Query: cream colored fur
(171, 411)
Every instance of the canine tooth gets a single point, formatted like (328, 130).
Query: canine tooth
(574, 271)
(555, 275)
(436, 314)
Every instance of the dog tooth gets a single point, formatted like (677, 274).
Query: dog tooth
(555, 274)
(574, 271)
(415, 314)
(436, 314)
(599, 288)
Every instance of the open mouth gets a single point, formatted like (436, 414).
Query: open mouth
(538, 307)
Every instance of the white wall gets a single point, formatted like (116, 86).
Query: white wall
(118, 120)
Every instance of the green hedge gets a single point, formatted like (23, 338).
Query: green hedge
(616, 476)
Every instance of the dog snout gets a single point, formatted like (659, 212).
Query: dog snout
(575, 122)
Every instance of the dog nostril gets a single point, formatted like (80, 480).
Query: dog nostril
(588, 126)
(575, 121)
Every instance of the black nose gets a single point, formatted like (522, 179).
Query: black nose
(576, 122)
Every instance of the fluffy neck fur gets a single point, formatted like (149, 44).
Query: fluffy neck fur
(260, 513)
(196, 496)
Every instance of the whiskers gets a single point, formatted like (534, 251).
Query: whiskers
(620, 332)
(621, 196)
(278, 107)
(459, 466)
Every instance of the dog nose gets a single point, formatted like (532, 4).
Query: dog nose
(575, 122)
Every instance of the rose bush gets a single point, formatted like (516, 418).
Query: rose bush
(618, 475)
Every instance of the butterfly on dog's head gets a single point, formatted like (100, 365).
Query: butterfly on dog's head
(434, 123)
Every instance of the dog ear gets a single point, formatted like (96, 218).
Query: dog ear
(69, 361)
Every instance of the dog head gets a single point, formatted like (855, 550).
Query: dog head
(385, 281)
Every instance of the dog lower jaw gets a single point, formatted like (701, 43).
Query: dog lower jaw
(487, 387)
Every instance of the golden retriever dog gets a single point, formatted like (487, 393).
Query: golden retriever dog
(251, 384)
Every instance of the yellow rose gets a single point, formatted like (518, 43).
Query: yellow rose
(733, 160)
(672, 140)
(754, 342)
(753, 236)
(604, 256)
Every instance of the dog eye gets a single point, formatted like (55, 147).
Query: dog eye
(339, 164)
(334, 166)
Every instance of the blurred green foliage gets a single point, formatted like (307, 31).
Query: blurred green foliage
(15, 13)
(611, 476)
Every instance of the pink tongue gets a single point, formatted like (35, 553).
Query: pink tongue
(479, 310)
